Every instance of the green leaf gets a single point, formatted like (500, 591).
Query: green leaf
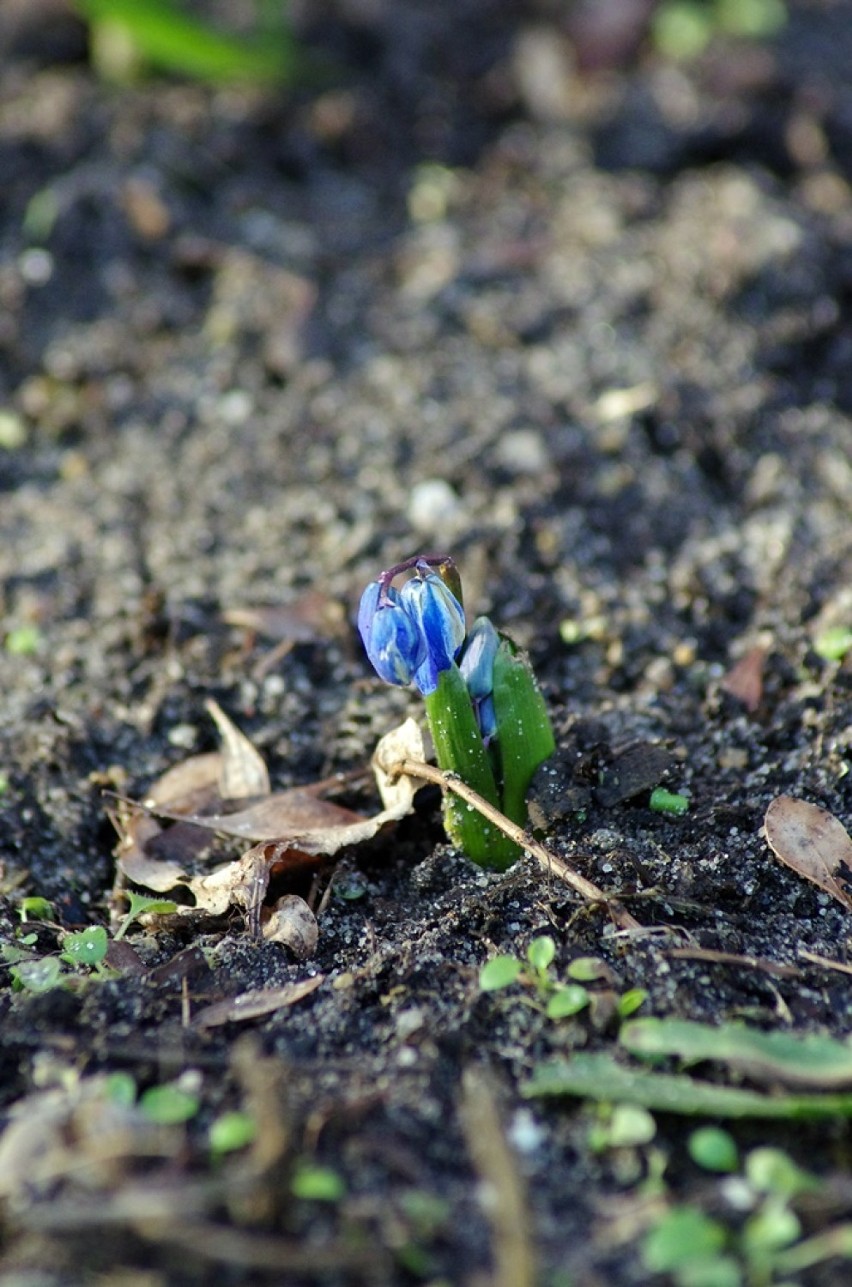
(714, 1149)
(85, 947)
(38, 976)
(683, 1236)
(524, 733)
(630, 1126)
(499, 972)
(599, 1077)
(663, 801)
(833, 644)
(317, 1183)
(35, 909)
(170, 39)
(588, 969)
(810, 1060)
(568, 999)
(771, 1170)
(121, 1089)
(459, 749)
(630, 1001)
(771, 1227)
(140, 903)
(541, 953)
(232, 1131)
(168, 1105)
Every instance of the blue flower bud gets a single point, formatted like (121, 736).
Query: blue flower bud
(477, 668)
(477, 660)
(393, 642)
(439, 618)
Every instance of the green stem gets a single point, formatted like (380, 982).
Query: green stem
(459, 749)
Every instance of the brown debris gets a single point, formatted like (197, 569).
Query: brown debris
(811, 841)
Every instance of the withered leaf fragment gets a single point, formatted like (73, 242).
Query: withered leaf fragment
(256, 1003)
(291, 828)
(811, 841)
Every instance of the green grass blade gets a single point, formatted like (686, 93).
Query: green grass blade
(599, 1077)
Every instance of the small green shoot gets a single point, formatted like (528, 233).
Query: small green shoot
(38, 975)
(85, 947)
(621, 1126)
(833, 644)
(169, 1105)
(35, 909)
(714, 1149)
(129, 36)
(140, 903)
(24, 641)
(500, 972)
(317, 1183)
(663, 801)
(689, 1245)
(231, 1132)
(560, 1000)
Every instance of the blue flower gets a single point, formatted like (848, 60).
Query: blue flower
(477, 668)
(439, 618)
(392, 639)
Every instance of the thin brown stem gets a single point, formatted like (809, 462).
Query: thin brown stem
(547, 860)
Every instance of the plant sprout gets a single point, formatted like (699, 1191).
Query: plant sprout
(486, 714)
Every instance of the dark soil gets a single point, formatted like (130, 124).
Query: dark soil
(589, 332)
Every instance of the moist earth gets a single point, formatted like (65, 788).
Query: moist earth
(498, 287)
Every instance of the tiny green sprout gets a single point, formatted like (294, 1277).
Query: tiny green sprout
(663, 801)
(85, 947)
(541, 954)
(833, 644)
(35, 909)
(566, 1000)
(714, 1148)
(140, 903)
(24, 641)
(232, 1131)
(500, 972)
(121, 1089)
(37, 976)
(630, 1001)
(317, 1183)
(169, 1105)
(683, 1241)
(622, 1126)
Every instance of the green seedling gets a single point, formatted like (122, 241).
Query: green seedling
(558, 999)
(131, 36)
(663, 801)
(35, 909)
(140, 903)
(834, 644)
(231, 1132)
(682, 29)
(169, 1105)
(317, 1183)
(85, 947)
(695, 1249)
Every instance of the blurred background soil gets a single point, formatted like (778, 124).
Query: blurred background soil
(505, 281)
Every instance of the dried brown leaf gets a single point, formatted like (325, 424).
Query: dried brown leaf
(243, 774)
(744, 680)
(292, 923)
(310, 617)
(255, 1004)
(811, 841)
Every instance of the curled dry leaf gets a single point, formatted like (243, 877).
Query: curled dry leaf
(292, 923)
(243, 773)
(744, 680)
(255, 1004)
(291, 828)
(813, 842)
